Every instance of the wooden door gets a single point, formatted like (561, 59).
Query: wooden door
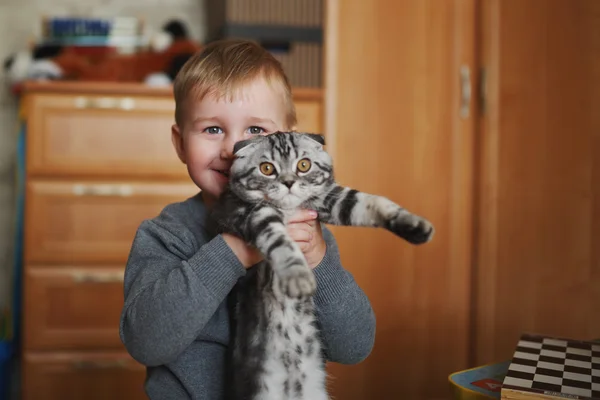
(393, 100)
(538, 264)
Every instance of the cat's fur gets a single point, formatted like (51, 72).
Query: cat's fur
(276, 353)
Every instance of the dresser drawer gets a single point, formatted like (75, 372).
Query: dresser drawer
(79, 376)
(73, 308)
(91, 222)
(112, 136)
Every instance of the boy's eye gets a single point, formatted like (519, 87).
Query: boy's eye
(213, 130)
(255, 130)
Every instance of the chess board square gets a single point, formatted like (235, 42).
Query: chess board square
(578, 357)
(522, 368)
(576, 391)
(552, 353)
(596, 347)
(595, 386)
(595, 366)
(526, 356)
(519, 382)
(529, 344)
(577, 384)
(555, 342)
(519, 374)
(577, 363)
(552, 347)
(553, 360)
(596, 394)
(596, 379)
(530, 350)
(580, 345)
(554, 366)
(556, 380)
(578, 370)
(546, 386)
(581, 352)
(596, 360)
(548, 372)
(595, 372)
(523, 361)
(577, 377)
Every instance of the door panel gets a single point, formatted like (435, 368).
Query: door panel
(395, 130)
(539, 220)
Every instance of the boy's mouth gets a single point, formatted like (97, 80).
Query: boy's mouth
(223, 172)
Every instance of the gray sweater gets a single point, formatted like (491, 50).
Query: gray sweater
(175, 317)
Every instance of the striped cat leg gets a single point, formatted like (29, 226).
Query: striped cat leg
(285, 256)
(346, 206)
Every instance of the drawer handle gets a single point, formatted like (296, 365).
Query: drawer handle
(97, 277)
(105, 103)
(102, 190)
(118, 364)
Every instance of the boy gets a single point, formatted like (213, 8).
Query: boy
(175, 318)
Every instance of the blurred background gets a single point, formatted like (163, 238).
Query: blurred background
(481, 115)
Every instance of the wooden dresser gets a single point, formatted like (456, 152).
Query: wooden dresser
(99, 160)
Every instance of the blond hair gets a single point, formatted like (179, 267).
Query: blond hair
(223, 67)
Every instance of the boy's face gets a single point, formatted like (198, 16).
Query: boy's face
(210, 127)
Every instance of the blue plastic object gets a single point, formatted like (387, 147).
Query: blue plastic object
(5, 370)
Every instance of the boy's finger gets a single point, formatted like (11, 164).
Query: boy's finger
(299, 235)
(303, 215)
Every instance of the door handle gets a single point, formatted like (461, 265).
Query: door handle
(465, 91)
(102, 190)
(97, 277)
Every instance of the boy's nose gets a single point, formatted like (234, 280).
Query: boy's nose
(226, 153)
(227, 149)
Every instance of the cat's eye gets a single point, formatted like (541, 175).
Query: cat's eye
(267, 168)
(304, 165)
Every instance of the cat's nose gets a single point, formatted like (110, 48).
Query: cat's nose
(288, 183)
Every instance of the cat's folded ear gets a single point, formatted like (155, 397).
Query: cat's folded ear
(242, 145)
(316, 137)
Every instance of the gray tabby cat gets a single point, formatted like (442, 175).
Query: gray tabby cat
(276, 353)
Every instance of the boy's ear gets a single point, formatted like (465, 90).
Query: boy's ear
(243, 145)
(177, 140)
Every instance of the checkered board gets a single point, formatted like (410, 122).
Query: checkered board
(554, 367)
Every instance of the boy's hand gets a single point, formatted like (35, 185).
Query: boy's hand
(305, 230)
(247, 255)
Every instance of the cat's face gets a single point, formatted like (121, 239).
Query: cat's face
(284, 169)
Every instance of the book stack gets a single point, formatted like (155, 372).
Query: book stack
(291, 30)
(123, 33)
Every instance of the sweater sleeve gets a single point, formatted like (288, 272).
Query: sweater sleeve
(344, 313)
(172, 289)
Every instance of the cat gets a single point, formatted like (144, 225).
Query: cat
(275, 352)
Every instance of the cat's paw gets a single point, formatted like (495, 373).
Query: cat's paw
(412, 228)
(298, 281)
